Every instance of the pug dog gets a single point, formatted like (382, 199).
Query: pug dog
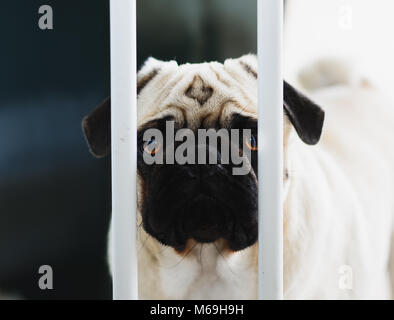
(197, 223)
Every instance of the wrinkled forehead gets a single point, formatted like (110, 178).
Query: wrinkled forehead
(196, 95)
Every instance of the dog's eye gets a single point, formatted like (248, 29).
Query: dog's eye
(251, 142)
(152, 146)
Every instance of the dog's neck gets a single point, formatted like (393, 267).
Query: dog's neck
(202, 271)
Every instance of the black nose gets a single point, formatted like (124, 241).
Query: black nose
(200, 172)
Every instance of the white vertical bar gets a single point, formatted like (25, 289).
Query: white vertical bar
(270, 158)
(124, 148)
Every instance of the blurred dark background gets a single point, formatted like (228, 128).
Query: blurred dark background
(54, 196)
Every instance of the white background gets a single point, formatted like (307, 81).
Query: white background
(361, 31)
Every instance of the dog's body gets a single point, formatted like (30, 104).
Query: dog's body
(338, 196)
(339, 210)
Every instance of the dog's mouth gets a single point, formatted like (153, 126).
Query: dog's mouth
(218, 208)
(203, 226)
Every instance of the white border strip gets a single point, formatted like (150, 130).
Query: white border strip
(124, 145)
(270, 153)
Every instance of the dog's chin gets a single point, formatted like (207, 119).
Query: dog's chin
(206, 218)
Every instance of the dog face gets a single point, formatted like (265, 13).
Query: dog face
(201, 201)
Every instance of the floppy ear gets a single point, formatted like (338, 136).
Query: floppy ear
(97, 129)
(306, 116)
(97, 125)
